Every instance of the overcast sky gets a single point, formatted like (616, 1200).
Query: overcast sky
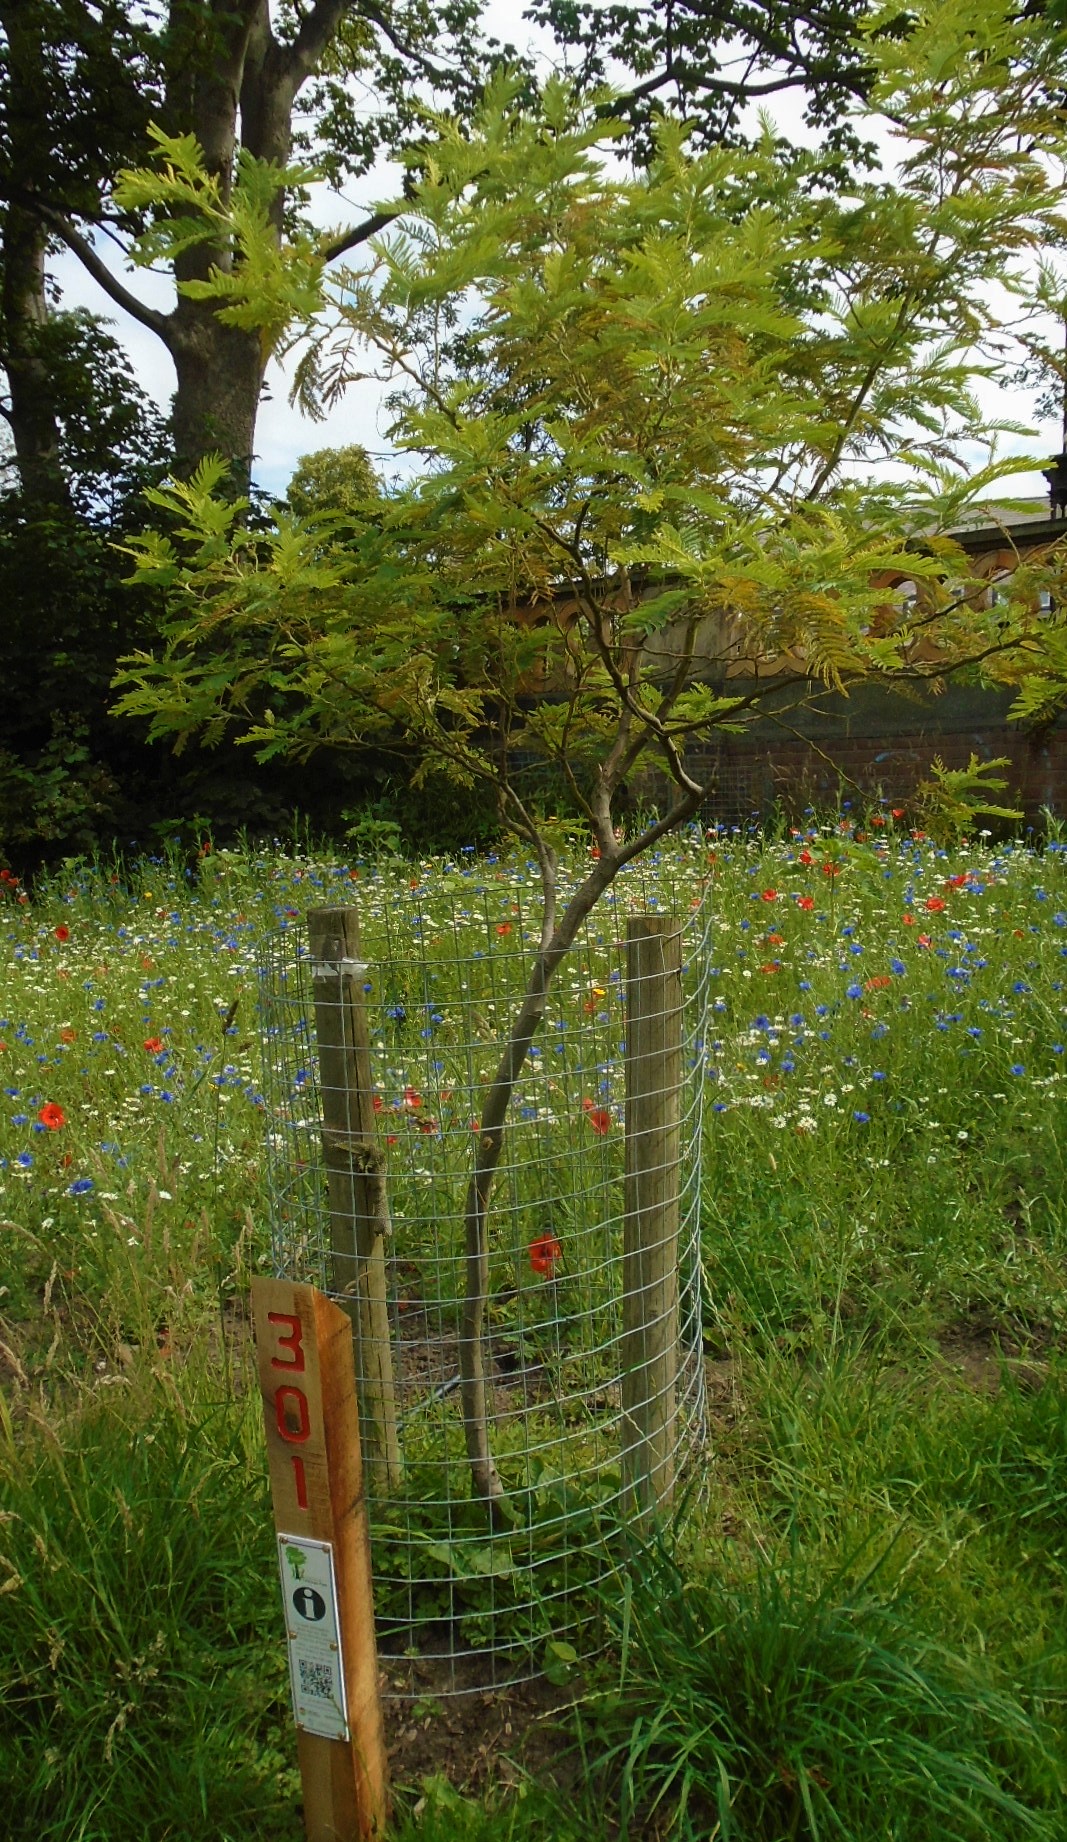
(283, 433)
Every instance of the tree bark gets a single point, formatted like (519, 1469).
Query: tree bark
(219, 371)
(31, 414)
(244, 77)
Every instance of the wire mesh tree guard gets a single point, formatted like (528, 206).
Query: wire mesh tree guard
(380, 1033)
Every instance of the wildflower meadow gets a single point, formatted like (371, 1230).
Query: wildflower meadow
(862, 1631)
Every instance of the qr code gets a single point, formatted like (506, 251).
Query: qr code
(316, 1680)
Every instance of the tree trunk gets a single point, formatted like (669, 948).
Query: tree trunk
(243, 74)
(23, 317)
(219, 379)
(485, 1478)
(31, 413)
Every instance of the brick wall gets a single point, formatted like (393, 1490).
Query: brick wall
(871, 745)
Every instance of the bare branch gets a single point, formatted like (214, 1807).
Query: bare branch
(158, 323)
(362, 233)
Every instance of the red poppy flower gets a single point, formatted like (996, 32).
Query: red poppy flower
(52, 1116)
(770, 895)
(599, 1118)
(897, 812)
(935, 903)
(771, 966)
(545, 1251)
(878, 984)
(909, 920)
(68, 1036)
(377, 1103)
(831, 869)
(62, 932)
(503, 927)
(805, 858)
(775, 940)
(412, 1098)
(154, 1044)
(957, 882)
(805, 901)
(924, 940)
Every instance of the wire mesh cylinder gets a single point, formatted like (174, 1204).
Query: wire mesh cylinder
(440, 972)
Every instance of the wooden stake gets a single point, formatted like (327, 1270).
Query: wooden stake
(652, 1212)
(359, 1215)
(307, 1379)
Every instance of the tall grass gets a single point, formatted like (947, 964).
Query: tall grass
(142, 1685)
(800, 1703)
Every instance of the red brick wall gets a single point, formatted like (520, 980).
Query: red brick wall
(753, 775)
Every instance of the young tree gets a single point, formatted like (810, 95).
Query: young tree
(704, 414)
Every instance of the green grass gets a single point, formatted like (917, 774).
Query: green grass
(865, 1635)
(144, 1691)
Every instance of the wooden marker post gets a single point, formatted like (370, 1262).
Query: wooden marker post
(359, 1216)
(652, 1212)
(307, 1379)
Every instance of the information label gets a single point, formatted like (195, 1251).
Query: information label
(309, 1596)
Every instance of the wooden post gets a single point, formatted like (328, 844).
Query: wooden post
(307, 1379)
(652, 1206)
(359, 1214)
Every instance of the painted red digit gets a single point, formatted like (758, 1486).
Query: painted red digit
(301, 1482)
(303, 1416)
(293, 1342)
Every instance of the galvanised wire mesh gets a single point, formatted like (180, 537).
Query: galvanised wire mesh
(443, 963)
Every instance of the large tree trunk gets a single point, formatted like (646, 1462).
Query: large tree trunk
(31, 413)
(242, 74)
(219, 380)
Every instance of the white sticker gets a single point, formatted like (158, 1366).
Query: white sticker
(309, 1595)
